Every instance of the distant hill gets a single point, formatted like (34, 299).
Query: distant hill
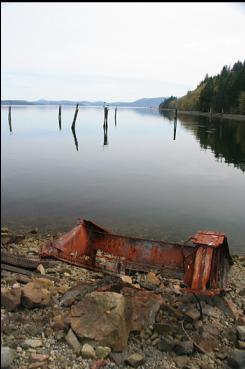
(223, 93)
(144, 102)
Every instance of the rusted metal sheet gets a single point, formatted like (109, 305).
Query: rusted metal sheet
(203, 265)
(208, 238)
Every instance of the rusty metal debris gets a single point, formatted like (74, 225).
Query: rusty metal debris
(202, 265)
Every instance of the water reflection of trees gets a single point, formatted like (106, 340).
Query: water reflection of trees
(225, 138)
(168, 114)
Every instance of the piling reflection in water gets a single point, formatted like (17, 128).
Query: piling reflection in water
(115, 116)
(105, 129)
(175, 127)
(59, 117)
(105, 126)
(10, 120)
(75, 137)
(73, 127)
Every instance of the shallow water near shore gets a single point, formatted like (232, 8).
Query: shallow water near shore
(146, 175)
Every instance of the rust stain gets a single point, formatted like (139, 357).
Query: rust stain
(203, 265)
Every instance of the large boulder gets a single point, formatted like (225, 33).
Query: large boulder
(143, 306)
(36, 293)
(103, 317)
(11, 299)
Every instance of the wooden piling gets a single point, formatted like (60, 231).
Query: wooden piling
(10, 120)
(75, 117)
(105, 115)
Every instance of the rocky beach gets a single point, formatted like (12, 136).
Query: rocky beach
(67, 317)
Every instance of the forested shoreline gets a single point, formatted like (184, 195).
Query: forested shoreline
(223, 93)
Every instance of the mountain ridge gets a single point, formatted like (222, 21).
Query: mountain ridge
(143, 102)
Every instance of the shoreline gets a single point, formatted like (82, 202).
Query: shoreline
(37, 321)
(239, 117)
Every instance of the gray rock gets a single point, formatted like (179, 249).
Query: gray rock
(135, 360)
(7, 357)
(241, 345)
(184, 348)
(212, 311)
(241, 332)
(72, 340)
(236, 360)
(165, 345)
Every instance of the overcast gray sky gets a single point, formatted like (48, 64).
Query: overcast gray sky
(116, 51)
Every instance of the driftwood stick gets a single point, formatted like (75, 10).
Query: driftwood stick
(198, 348)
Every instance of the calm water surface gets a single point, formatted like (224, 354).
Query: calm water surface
(147, 175)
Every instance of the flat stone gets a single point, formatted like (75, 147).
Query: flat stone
(193, 314)
(7, 357)
(184, 348)
(102, 352)
(39, 357)
(182, 361)
(126, 279)
(33, 343)
(88, 352)
(72, 340)
(11, 299)
(236, 359)
(135, 360)
(241, 332)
